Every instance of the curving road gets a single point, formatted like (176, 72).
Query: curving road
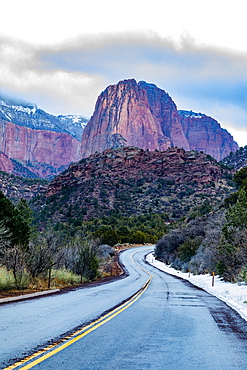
(171, 325)
(31, 324)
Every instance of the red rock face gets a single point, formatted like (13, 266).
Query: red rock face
(131, 114)
(38, 147)
(142, 115)
(5, 163)
(165, 114)
(205, 134)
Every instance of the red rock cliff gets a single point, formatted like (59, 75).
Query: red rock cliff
(133, 114)
(205, 134)
(38, 148)
(5, 163)
(142, 115)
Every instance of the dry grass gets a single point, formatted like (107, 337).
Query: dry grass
(60, 279)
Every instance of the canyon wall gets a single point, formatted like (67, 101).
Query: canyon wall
(38, 150)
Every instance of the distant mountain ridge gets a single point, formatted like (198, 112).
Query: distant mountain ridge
(35, 143)
(205, 134)
(74, 124)
(140, 114)
(29, 115)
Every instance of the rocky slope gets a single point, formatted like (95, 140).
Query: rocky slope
(133, 181)
(16, 187)
(37, 143)
(14, 167)
(145, 116)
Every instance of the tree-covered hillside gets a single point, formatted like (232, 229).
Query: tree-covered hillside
(213, 243)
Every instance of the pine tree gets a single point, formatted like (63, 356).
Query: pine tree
(232, 251)
(23, 223)
(17, 220)
(237, 214)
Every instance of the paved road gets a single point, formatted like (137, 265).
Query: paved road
(28, 325)
(173, 325)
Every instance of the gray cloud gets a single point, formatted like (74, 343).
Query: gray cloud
(68, 77)
(189, 70)
(25, 75)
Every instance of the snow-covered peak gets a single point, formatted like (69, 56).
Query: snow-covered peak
(73, 118)
(17, 105)
(74, 124)
(28, 109)
(2, 102)
(11, 109)
(29, 115)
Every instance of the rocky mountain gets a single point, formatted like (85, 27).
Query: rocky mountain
(37, 144)
(44, 153)
(142, 115)
(30, 116)
(134, 181)
(73, 124)
(205, 134)
(237, 160)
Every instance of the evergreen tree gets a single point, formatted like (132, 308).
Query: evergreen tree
(232, 251)
(4, 237)
(17, 220)
(23, 223)
(237, 214)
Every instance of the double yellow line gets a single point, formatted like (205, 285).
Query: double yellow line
(42, 355)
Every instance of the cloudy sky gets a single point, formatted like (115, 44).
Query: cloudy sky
(62, 54)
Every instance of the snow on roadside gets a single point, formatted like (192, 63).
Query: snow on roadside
(234, 295)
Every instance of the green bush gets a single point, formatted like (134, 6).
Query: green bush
(65, 277)
(7, 280)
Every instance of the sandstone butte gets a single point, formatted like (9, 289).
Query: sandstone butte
(144, 116)
(126, 114)
(36, 148)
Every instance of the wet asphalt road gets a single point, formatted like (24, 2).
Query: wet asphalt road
(172, 326)
(28, 325)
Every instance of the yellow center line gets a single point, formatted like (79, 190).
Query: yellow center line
(54, 348)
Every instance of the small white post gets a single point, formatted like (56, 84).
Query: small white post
(213, 278)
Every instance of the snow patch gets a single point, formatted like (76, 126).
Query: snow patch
(2, 102)
(234, 295)
(21, 108)
(74, 118)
